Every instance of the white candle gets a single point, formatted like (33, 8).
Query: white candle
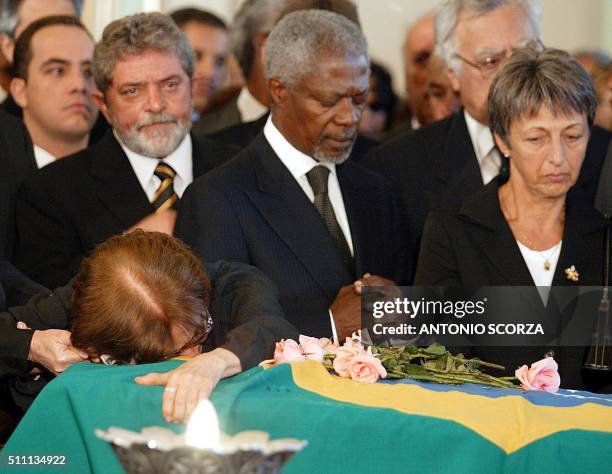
(203, 427)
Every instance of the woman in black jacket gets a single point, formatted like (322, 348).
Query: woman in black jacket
(533, 229)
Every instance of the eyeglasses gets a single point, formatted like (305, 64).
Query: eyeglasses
(490, 65)
(197, 340)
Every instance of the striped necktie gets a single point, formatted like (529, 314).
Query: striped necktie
(317, 178)
(165, 197)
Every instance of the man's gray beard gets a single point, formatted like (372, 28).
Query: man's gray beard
(154, 146)
(321, 157)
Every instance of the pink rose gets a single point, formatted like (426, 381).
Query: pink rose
(345, 355)
(366, 368)
(287, 350)
(542, 375)
(354, 343)
(312, 348)
(328, 345)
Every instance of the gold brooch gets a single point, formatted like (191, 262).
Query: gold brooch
(571, 273)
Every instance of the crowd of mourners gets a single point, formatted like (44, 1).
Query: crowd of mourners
(187, 188)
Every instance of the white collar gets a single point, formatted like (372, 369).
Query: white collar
(180, 160)
(42, 157)
(249, 107)
(297, 163)
(482, 139)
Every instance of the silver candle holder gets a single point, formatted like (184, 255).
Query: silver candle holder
(159, 450)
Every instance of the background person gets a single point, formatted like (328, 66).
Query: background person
(53, 84)
(209, 39)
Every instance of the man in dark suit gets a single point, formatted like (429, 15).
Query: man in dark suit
(16, 162)
(292, 203)
(250, 27)
(134, 176)
(52, 84)
(15, 17)
(440, 165)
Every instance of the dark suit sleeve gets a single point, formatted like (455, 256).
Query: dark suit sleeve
(14, 346)
(38, 308)
(46, 311)
(603, 198)
(17, 288)
(398, 162)
(208, 223)
(46, 248)
(437, 260)
(247, 315)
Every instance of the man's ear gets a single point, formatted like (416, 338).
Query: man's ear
(7, 47)
(98, 98)
(278, 92)
(18, 91)
(453, 78)
(502, 145)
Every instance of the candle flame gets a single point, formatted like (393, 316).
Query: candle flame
(203, 427)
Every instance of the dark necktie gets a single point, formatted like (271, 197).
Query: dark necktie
(317, 178)
(165, 197)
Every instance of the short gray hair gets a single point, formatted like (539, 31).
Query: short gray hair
(9, 17)
(134, 35)
(448, 13)
(253, 17)
(301, 38)
(531, 79)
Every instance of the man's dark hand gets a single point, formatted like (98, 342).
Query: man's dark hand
(346, 308)
(346, 311)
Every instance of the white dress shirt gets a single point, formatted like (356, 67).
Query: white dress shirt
(144, 167)
(42, 157)
(487, 155)
(249, 107)
(299, 164)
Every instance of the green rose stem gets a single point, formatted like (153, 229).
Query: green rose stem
(480, 362)
(434, 364)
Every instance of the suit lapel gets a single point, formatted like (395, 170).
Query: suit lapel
(283, 204)
(582, 246)
(457, 169)
(361, 214)
(117, 185)
(498, 243)
(198, 154)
